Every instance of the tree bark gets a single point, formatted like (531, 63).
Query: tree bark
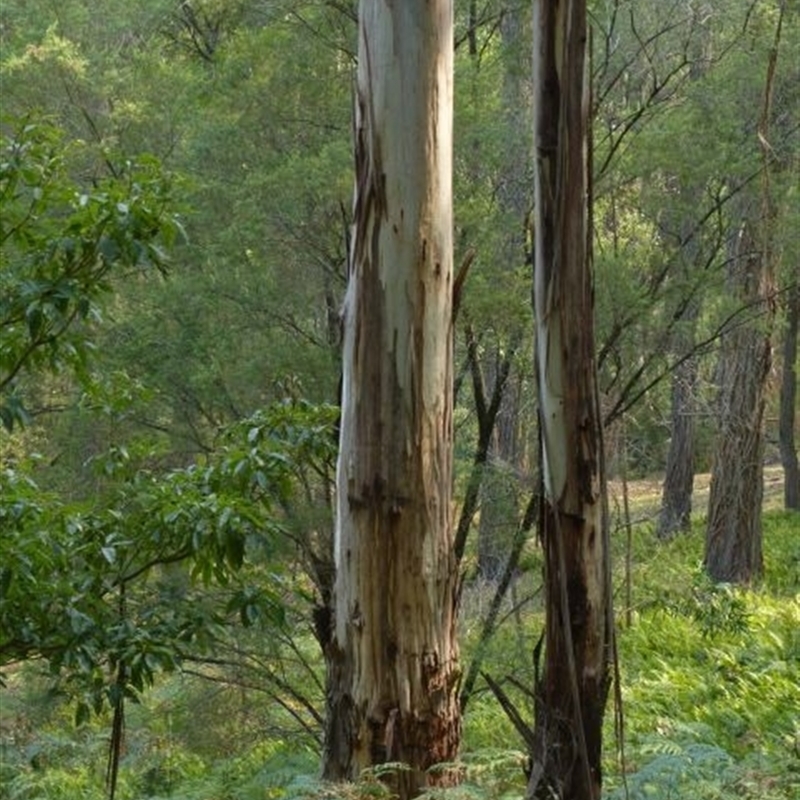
(788, 403)
(733, 551)
(571, 694)
(676, 499)
(393, 651)
(734, 538)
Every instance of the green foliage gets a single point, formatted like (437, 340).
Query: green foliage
(59, 242)
(165, 540)
(709, 675)
(96, 591)
(677, 769)
(709, 695)
(715, 608)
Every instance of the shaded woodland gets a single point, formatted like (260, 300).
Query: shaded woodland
(196, 210)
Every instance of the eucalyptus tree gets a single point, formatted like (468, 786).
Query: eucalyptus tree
(653, 243)
(657, 209)
(676, 497)
(733, 536)
(785, 166)
(393, 649)
(571, 693)
(668, 84)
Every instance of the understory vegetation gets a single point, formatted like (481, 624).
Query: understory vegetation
(708, 680)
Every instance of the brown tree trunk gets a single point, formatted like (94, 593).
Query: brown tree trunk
(393, 649)
(676, 500)
(733, 537)
(788, 405)
(572, 691)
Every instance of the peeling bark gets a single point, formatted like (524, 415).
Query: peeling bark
(571, 694)
(393, 648)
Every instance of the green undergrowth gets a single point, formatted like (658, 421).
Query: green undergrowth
(709, 674)
(709, 682)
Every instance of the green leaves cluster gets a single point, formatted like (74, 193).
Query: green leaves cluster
(162, 566)
(59, 242)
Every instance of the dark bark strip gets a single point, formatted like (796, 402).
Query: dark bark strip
(734, 537)
(572, 691)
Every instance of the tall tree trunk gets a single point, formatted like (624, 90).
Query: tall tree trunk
(733, 538)
(393, 649)
(676, 498)
(788, 405)
(571, 694)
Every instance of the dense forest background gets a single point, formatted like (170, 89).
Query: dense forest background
(176, 184)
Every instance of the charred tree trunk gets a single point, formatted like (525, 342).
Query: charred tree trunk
(788, 405)
(572, 692)
(393, 648)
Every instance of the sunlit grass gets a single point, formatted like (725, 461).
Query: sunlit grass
(710, 673)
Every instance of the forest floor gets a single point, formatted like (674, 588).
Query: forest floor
(644, 495)
(708, 682)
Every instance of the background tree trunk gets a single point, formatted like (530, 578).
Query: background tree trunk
(676, 500)
(733, 537)
(393, 650)
(788, 404)
(501, 486)
(572, 692)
